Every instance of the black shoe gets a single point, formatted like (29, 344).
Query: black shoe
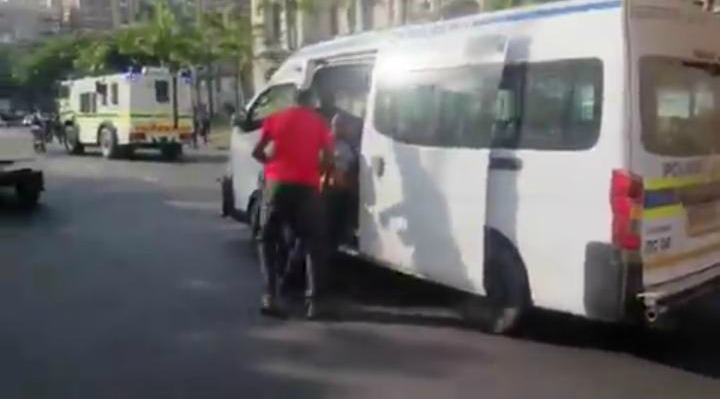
(317, 310)
(269, 307)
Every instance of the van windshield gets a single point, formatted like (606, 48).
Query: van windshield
(680, 106)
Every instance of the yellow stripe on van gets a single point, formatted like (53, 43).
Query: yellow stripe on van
(670, 260)
(675, 182)
(664, 212)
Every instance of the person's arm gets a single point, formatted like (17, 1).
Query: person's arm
(327, 150)
(259, 152)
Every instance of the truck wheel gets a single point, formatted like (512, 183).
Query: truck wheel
(72, 141)
(108, 143)
(27, 195)
(171, 152)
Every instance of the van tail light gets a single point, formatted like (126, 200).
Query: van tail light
(626, 198)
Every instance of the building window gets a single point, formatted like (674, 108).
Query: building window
(291, 16)
(404, 11)
(276, 23)
(334, 29)
(352, 16)
(162, 91)
(367, 14)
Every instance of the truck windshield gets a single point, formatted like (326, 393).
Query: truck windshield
(680, 106)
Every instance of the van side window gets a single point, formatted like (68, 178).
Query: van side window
(162, 91)
(272, 100)
(114, 94)
(88, 103)
(548, 106)
(101, 90)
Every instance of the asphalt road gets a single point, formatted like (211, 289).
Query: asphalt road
(126, 284)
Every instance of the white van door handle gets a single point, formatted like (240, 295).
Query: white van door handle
(378, 165)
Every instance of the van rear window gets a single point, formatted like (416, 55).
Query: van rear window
(680, 106)
(162, 91)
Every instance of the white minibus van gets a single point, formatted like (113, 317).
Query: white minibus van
(563, 156)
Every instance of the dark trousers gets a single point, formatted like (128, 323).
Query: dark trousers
(302, 208)
(341, 210)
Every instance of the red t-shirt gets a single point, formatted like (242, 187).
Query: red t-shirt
(298, 135)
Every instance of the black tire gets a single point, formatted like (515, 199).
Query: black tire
(254, 219)
(228, 197)
(27, 196)
(171, 152)
(108, 143)
(72, 141)
(127, 151)
(508, 297)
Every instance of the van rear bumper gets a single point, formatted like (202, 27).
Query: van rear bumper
(661, 298)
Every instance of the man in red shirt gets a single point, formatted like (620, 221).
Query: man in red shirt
(301, 144)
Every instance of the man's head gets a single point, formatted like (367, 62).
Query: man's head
(327, 99)
(304, 98)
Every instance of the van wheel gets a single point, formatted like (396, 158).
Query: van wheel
(108, 143)
(72, 141)
(508, 297)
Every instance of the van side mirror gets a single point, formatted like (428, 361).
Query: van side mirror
(240, 119)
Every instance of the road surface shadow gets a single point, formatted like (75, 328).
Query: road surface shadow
(190, 156)
(367, 293)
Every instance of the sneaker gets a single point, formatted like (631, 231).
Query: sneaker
(312, 310)
(268, 306)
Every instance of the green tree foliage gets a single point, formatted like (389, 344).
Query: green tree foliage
(161, 38)
(38, 72)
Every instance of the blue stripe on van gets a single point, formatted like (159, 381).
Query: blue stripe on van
(549, 12)
(661, 198)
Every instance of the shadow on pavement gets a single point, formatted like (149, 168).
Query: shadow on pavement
(109, 292)
(190, 156)
(371, 294)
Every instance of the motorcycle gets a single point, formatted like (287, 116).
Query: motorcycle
(39, 137)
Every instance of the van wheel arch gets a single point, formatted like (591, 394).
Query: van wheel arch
(505, 270)
(507, 288)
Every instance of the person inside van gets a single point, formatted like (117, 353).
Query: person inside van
(341, 188)
(327, 108)
(301, 141)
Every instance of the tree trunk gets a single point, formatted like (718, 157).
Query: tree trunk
(209, 80)
(239, 93)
